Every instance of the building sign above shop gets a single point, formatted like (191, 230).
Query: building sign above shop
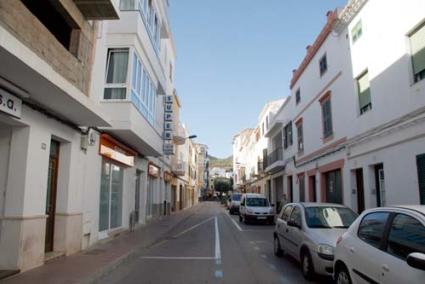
(153, 170)
(112, 149)
(10, 104)
(168, 176)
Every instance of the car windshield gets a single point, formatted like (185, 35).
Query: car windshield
(329, 217)
(257, 202)
(236, 197)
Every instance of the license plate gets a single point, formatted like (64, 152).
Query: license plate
(261, 218)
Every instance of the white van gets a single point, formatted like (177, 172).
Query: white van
(255, 207)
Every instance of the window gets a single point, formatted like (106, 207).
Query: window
(298, 96)
(151, 21)
(300, 137)
(406, 235)
(286, 212)
(296, 216)
(127, 5)
(116, 74)
(356, 32)
(329, 217)
(417, 45)
(55, 18)
(371, 229)
(143, 91)
(323, 65)
(327, 118)
(363, 87)
(288, 135)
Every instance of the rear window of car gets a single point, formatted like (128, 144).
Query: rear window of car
(329, 217)
(371, 229)
(236, 197)
(257, 202)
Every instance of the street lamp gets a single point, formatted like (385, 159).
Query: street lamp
(192, 137)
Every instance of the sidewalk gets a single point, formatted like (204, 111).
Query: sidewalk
(89, 265)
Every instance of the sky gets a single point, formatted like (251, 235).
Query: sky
(233, 56)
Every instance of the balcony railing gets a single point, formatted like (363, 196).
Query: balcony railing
(260, 168)
(179, 168)
(275, 156)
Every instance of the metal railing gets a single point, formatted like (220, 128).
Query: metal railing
(275, 156)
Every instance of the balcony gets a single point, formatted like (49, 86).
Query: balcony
(275, 160)
(98, 9)
(131, 126)
(179, 135)
(179, 168)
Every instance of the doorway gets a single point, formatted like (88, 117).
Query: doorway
(52, 180)
(290, 189)
(333, 189)
(301, 182)
(137, 197)
(360, 191)
(380, 185)
(181, 197)
(420, 161)
(312, 188)
(278, 191)
(173, 198)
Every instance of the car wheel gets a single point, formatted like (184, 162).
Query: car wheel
(307, 268)
(342, 276)
(240, 218)
(276, 247)
(245, 220)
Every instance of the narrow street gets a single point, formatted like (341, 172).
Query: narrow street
(210, 246)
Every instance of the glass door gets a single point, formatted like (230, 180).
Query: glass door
(110, 209)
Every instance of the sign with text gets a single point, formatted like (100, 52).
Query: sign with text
(169, 149)
(10, 104)
(112, 149)
(153, 170)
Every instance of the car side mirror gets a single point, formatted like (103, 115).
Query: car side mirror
(292, 223)
(416, 260)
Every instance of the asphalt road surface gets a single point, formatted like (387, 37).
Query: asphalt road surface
(211, 246)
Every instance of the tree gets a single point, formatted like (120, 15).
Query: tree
(222, 185)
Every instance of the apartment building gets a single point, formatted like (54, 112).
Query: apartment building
(250, 152)
(46, 55)
(202, 169)
(352, 130)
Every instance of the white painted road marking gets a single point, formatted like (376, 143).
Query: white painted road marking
(193, 227)
(217, 242)
(179, 257)
(234, 222)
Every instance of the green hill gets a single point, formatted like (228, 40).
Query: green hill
(226, 163)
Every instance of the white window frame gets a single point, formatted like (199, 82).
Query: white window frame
(127, 84)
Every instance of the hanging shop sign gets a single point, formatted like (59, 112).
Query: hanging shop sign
(168, 149)
(114, 150)
(10, 104)
(153, 170)
(168, 176)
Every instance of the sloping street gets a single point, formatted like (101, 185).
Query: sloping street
(211, 247)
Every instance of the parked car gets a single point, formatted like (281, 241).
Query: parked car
(255, 207)
(309, 231)
(234, 202)
(384, 245)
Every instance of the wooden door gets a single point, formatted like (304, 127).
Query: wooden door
(360, 191)
(52, 179)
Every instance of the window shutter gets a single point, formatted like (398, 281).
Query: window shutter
(327, 118)
(417, 43)
(364, 90)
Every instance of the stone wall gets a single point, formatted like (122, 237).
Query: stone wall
(75, 66)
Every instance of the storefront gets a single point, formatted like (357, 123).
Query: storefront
(116, 158)
(153, 180)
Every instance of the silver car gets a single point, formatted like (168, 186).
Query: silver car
(309, 231)
(234, 202)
